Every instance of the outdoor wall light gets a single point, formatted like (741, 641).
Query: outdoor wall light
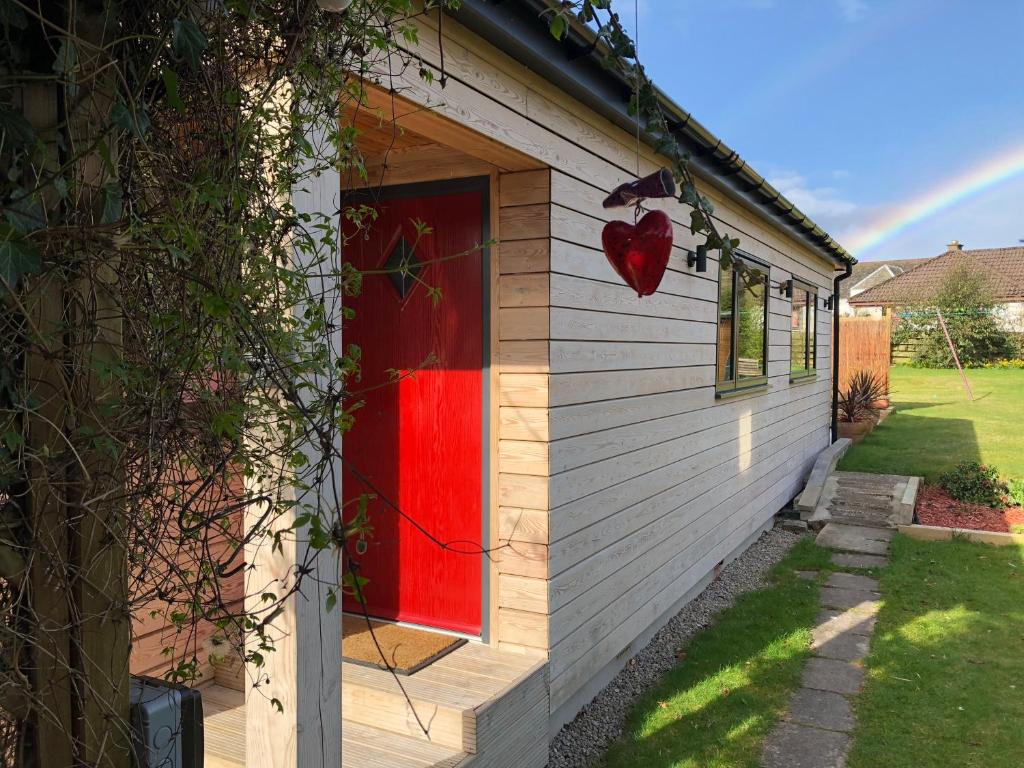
(700, 258)
(786, 288)
(826, 302)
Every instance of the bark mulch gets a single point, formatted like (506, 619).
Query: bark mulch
(936, 507)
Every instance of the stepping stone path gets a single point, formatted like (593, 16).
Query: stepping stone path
(815, 731)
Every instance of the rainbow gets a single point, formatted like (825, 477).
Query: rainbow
(987, 174)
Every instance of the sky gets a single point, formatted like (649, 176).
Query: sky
(897, 125)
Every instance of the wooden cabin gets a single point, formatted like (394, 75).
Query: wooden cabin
(611, 451)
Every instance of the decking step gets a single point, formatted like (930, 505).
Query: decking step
(444, 703)
(364, 746)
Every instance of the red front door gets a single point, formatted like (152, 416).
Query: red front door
(418, 437)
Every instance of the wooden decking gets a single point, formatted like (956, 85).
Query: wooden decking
(480, 707)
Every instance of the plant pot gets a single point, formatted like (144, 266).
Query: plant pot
(855, 430)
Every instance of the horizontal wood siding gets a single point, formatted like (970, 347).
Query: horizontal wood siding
(524, 223)
(651, 481)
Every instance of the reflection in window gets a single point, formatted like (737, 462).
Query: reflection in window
(742, 326)
(802, 344)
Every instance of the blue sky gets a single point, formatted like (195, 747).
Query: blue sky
(854, 108)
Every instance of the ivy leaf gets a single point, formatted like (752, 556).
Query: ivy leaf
(15, 128)
(332, 600)
(188, 42)
(17, 258)
(170, 78)
(113, 203)
(25, 213)
(137, 122)
(558, 26)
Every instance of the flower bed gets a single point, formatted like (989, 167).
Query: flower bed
(936, 507)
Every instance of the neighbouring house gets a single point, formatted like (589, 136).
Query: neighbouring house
(868, 274)
(1004, 268)
(613, 451)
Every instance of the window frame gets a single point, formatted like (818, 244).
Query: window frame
(810, 369)
(736, 385)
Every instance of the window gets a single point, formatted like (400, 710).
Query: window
(742, 326)
(803, 352)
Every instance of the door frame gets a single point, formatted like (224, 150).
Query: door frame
(486, 186)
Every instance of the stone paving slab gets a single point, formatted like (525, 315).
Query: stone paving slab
(846, 599)
(848, 560)
(852, 581)
(844, 646)
(798, 746)
(850, 538)
(832, 623)
(822, 709)
(833, 675)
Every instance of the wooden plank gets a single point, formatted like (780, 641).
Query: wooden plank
(519, 323)
(522, 558)
(518, 256)
(522, 491)
(443, 130)
(523, 423)
(431, 162)
(523, 628)
(523, 357)
(523, 389)
(518, 524)
(526, 290)
(593, 386)
(525, 222)
(526, 187)
(523, 593)
(527, 457)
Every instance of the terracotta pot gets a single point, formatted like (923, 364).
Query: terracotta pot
(855, 430)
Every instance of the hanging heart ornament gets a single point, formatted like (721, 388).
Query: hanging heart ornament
(639, 252)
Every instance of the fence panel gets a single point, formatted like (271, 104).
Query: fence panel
(864, 344)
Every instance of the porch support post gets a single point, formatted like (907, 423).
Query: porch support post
(303, 672)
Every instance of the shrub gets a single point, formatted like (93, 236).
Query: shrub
(1015, 489)
(975, 483)
(1015, 362)
(857, 402)
(965, 298)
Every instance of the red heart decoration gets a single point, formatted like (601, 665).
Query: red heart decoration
(639, 253)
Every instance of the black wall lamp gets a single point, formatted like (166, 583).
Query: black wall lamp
(826, 302)
(698, 257)
(786, 288)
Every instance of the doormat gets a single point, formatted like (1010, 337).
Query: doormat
(407, 650)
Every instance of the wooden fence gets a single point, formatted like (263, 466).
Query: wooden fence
(864, 344)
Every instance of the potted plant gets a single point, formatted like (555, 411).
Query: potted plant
(858, 405)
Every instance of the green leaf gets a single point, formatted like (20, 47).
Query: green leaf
(15, 128)
(558, 26)
(188, 42)
(25, 213)
(67, 58)
(113, 203)
(134, 122)
(17, 258)
(170, 78)
(332, 600)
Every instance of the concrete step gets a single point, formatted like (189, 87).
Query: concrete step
(855, 538)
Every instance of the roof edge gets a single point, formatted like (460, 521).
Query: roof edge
(572, 64)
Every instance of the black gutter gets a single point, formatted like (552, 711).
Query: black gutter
(835, 349)
(573, 64)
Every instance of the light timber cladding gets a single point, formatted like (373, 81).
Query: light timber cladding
(524, 222)
(623, 480)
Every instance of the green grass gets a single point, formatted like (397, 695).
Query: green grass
(935, 426)
(715, 707)
(946, 671)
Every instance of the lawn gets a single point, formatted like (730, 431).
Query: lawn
(946, 671)
(715, 708)
(935, 426)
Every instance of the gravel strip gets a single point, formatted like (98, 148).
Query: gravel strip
(599, 723)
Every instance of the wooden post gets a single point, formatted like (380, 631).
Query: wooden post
(956, 357)
(303, 672)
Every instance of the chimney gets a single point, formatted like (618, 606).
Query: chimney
(956, 245)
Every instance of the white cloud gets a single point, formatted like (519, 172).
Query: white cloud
(824, 204)
(852, 10)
